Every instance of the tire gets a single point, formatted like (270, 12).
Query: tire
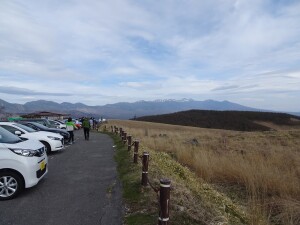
(47, 147)
(11, 184)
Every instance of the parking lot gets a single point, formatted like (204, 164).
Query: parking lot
(81, 188)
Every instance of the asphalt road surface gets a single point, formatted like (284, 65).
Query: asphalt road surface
(81, 188)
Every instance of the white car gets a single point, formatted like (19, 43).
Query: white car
(23, 163)
(58, 124)
(51, 141)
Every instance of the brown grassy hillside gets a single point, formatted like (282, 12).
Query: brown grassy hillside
(227, 120)
(258, 170)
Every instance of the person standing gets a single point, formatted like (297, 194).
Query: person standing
(91, 123)
(86, 128)
(70, 126)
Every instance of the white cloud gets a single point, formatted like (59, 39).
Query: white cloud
(25, 91)
(148, 50)
(125, 71)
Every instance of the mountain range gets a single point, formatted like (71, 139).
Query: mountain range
(122, 110)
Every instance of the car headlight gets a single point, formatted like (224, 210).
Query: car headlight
(24, 152)
(54, 138)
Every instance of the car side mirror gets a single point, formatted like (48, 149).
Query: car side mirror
(18, 133)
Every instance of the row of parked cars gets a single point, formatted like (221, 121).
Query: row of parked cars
(24, 146)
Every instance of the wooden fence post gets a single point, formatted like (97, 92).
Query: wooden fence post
(136, 151)
(129, 140)
(164, 202)
(145, 169)
(124, 138)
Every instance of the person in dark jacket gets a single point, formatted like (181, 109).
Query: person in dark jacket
(86, 128)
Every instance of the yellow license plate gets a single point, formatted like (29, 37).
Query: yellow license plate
(42, 165)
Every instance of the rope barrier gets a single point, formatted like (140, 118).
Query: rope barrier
(156, 190)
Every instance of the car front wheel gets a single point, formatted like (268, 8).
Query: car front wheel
(11, 184)
(47, 146)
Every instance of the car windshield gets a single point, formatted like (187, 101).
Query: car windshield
(39, 125)
(47, 123)
(28, 129)
(7, 137)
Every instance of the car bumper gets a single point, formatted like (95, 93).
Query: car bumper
(34, 171)
(57, 145)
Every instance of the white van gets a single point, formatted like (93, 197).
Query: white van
(23, 163)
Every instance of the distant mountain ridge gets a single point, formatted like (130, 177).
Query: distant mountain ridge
(124, 110)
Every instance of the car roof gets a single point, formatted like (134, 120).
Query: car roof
(7, 123)
(31, 122)
(27, 119)
(12, 124)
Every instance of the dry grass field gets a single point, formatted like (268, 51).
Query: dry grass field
(260, 171)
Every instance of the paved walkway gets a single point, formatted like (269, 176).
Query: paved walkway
(81, 188)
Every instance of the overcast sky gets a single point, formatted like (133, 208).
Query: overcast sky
(107, 51)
